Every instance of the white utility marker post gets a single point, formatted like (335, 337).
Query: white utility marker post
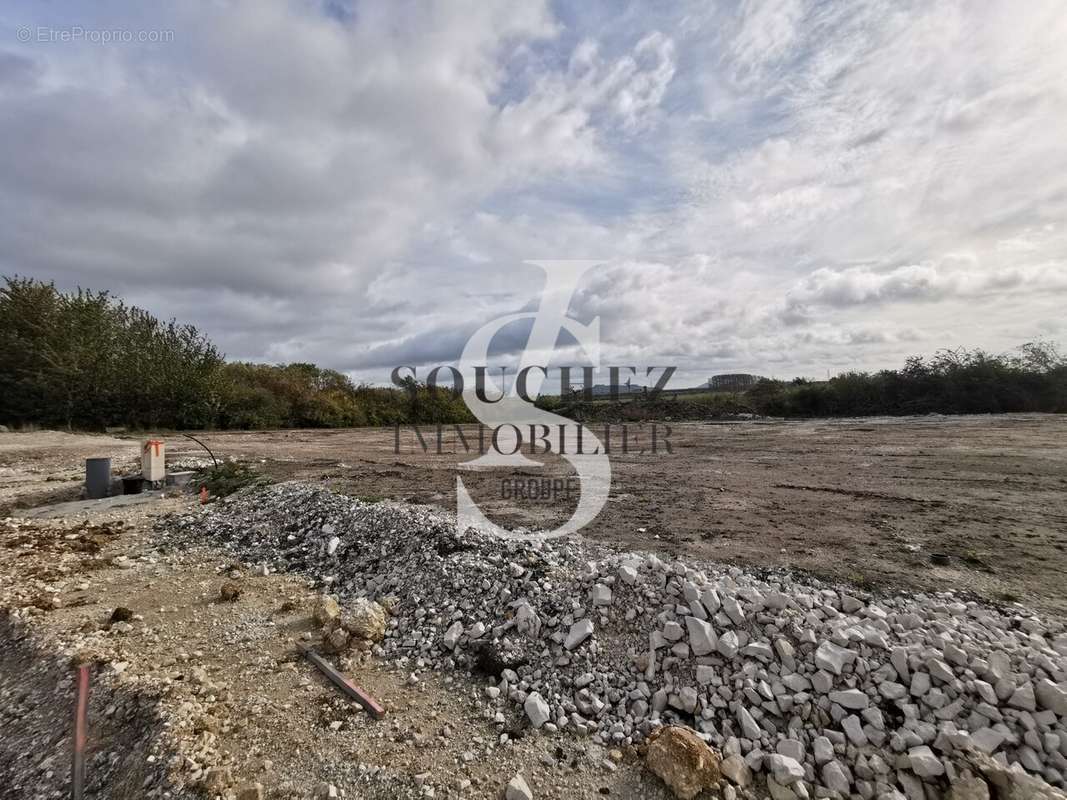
(153, 461)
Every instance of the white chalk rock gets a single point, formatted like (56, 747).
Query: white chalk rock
(785, 770)
(924, 763)
(832, 658)
(579, 632)
(1050, 696)
(536, 709)
(518, 789)
(728, 644)
(851, 698)
(749, 728)
(702, 638)
(452, 635)
(834, 777)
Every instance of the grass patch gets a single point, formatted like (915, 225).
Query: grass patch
(229, 477)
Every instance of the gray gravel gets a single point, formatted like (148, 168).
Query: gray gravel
(822, 691)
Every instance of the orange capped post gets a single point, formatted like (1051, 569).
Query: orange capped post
(153, 461)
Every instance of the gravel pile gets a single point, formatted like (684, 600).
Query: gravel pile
(818, 691)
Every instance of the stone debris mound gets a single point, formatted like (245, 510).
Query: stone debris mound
(817, 691)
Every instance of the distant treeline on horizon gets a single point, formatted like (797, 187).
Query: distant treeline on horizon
(86, 360)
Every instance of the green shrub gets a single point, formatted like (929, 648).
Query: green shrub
(228, 477)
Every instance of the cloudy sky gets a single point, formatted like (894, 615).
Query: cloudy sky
(787, 188)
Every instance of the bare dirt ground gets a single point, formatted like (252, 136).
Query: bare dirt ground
(865, 501)
(49, 466)
(240, 706)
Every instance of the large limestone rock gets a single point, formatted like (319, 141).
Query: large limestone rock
(1010, 784)
(365, 620)
(327, 612)
(682, 761)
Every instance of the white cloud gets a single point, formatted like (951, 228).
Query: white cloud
(766, 34)
(958, 278)
(775, 185)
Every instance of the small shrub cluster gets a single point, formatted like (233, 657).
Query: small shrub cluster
(228, 477)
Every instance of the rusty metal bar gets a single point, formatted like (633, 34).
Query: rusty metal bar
(373, 707)
(81, 725)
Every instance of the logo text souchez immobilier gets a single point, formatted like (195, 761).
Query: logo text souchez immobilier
(512, 427)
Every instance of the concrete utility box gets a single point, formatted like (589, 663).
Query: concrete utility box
(153, 461)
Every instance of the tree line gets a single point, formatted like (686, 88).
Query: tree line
(86, 360)
(1032, 378)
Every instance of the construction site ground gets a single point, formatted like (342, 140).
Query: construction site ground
(867, 501)
(974, 504)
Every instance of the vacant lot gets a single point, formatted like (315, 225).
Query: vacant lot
(868, 501)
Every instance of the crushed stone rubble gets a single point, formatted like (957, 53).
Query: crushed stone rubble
(817, 691)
